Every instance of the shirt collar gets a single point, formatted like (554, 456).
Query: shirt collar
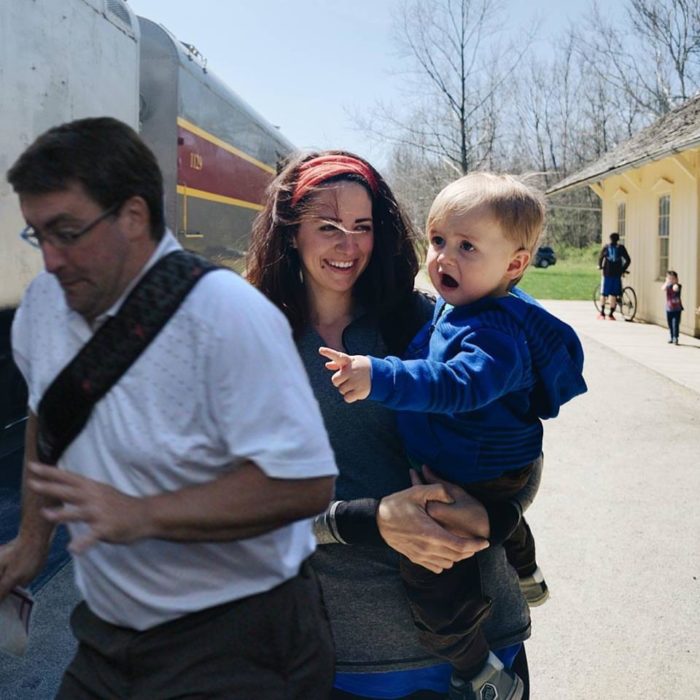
(166, 245)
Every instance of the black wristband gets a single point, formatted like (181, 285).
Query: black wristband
(503, 519)
(356, 521)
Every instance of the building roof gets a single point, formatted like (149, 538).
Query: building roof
(676, 131)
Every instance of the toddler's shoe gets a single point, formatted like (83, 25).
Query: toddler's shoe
(534, 588)
(601, 317)
(493, 682)
(611, 317)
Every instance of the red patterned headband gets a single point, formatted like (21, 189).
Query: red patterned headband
(317, 170)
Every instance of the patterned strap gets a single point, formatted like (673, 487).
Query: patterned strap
(67, 404)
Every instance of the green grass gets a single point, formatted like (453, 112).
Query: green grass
(573, 277)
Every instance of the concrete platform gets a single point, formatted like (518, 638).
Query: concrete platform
(616, 521)
(644, 343)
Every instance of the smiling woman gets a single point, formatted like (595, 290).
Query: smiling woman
(331, 218)
(335, 237)
(334, 251)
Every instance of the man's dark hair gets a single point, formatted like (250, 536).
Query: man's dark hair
(614, 237)
(103, 155)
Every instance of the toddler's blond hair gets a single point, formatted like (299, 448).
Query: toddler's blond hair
(518, 208)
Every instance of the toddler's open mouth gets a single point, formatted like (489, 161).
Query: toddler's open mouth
(449, 281)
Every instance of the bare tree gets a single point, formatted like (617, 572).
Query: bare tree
(653, 57)
(455, 67)
(416, 177)
(565, 117)
(473, 103)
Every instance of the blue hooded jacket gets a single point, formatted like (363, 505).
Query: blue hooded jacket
(493, 369)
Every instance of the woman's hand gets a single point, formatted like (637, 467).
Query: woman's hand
(405, 524)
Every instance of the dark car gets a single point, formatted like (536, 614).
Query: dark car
(545, 256)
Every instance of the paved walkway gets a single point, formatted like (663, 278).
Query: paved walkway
(644, 343)
(617, 520)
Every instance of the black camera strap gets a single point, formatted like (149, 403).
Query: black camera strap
(66, 405)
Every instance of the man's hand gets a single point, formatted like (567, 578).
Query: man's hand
(22, 559)
(465, 516)
(406, 526)
(352, 374)
(110, 515)
(20, 563)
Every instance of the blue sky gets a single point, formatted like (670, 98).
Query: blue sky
(306, 65)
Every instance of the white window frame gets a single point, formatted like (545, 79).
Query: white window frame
(663, 188)
(663, 232)
(622, 220)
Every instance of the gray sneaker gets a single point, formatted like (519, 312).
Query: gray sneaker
(534, 588)
(493, 682)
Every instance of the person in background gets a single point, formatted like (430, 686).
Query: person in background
(334, 251)
(674, 306)
(613, 261)
(189, 490)
(481, 377)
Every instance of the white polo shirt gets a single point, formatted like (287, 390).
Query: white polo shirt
(221, 383)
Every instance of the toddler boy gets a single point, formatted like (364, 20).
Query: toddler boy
(489, 367)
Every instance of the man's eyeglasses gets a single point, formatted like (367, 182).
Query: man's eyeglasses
(64, 237)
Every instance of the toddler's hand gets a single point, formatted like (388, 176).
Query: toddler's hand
(352, 374)
(465, 517)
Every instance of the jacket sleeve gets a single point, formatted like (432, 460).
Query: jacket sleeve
(490, 364)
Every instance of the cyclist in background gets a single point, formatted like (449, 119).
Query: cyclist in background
(613, 261)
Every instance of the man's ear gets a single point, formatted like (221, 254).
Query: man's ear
(136, 218)
(518, 264)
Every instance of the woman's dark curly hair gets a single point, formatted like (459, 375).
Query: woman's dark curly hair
(385, 287)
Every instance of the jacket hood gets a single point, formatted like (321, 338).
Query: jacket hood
(556, 352)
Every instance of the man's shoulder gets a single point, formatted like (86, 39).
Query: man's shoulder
(223, 298)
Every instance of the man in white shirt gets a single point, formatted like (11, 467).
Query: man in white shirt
(188, 492)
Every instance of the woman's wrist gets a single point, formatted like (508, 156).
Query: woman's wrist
(349, 522)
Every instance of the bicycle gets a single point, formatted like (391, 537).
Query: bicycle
(626, 302)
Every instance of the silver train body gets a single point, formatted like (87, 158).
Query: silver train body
(66, 59)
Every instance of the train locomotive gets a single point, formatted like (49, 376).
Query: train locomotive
(76, 58)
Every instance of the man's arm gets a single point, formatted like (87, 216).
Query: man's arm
(22, 559)
(240, 504)
(601, 257)
(627, 260)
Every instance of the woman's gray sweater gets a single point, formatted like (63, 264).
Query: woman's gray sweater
(364, 595)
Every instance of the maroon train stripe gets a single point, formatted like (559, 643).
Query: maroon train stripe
(203, 165)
